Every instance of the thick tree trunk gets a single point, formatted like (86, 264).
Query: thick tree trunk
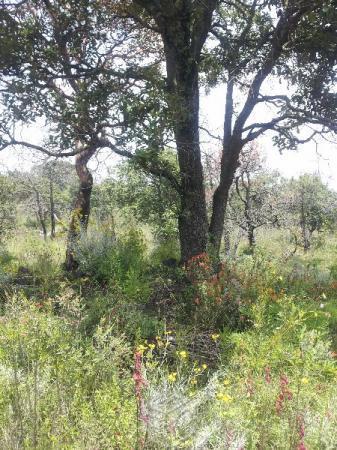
(183, 86)
(184, 26)
(81, 208)
(193, 223)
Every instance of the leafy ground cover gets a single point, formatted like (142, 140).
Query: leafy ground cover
(135, 355)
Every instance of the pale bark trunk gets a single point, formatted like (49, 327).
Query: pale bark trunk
(52, 209)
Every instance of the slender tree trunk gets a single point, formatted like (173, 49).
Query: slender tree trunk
(304, 228)
(251, 237)
(40, 214)
(227, 240)
(229, 164)
(52, 208)
(81, 208)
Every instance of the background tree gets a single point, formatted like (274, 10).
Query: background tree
(254, 200)
(312, 207)
(150, 199)
(72, 65)
(46, 190)
(253, 40)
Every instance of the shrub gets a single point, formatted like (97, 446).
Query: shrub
(120, 262)
(59, 390)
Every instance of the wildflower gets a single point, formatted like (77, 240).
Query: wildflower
(267, 376)
(224, 397)
(197, 370)
(204, 366)
(226, 382)
(141, 349)
(305, 380)
(140, 382)
(194, 381)
(215, 337)
(323, 296)
(172, 377)
(168, 332)
(284, 394)
(152, 346)
(182, 354)
(301, 432)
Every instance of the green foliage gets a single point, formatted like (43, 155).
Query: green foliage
(118, 261)
(7, 205)
(58, 390)
(150, 199)
(313, 203)
(242, 357)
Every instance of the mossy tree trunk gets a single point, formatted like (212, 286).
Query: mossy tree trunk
(81, 208)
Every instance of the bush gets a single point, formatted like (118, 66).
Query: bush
(120, 262)
(59, 390)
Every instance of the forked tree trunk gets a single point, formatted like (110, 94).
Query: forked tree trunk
(81, 208)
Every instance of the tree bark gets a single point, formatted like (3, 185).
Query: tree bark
(251, 237)
(52, 208)
(183, 35)
(40, 214)
(81, 208)
(227, 239)
(304, 229)
(193, 223)
(229, 164)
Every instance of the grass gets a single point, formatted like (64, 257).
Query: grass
(244, 360)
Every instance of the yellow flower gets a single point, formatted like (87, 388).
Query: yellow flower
(197, 369)
(141, 348)
(226, 382)
(194, 381)
(224, 397)
(204, 366)
(215, 337)
(182, 354)
(152, 346)
(305, 380)
(172, 377)
(168, 332)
